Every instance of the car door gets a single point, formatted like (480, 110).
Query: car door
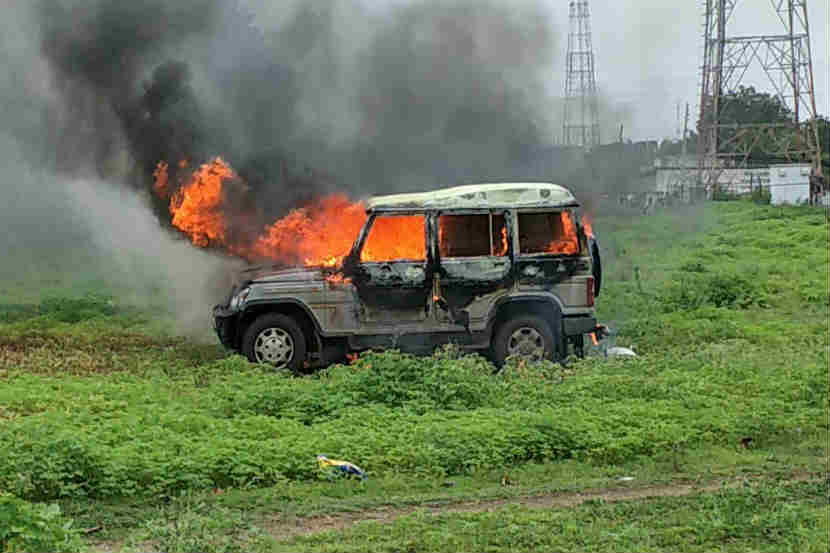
(391, 270)
(549, 247)
(473, 258)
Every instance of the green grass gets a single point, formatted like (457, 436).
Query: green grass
(125, 434)
(105, 410)
(770, 517)
(285, 503)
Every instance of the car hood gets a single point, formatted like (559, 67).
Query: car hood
(298, 275)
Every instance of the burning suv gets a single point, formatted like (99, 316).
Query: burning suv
(510, 269)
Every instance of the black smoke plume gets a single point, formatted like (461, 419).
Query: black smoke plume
(330, 96)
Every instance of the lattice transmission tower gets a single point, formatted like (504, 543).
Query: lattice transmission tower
(785, 58)
(581, 122)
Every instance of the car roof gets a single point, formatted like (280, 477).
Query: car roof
(479, 196)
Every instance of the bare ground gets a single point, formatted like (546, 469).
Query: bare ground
(285, 529)
(282, 529)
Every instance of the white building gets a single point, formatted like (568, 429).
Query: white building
(678, 176)
(789, 184)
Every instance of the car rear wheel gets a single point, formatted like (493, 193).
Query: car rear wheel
(526, 337)
(276, 340)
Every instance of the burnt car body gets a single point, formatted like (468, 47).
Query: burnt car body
(503, 268)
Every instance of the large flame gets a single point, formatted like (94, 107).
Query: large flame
(197, 206)
(317, 235)
(320, 234)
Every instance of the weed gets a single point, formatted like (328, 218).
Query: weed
(28, 527)
(770, 517)
(189, 525)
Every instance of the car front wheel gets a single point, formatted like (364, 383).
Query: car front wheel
(276, 340)
(526, 337)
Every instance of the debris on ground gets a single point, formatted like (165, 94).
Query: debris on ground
(618, 351)
(340, 468)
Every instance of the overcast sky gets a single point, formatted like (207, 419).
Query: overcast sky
(649, 52)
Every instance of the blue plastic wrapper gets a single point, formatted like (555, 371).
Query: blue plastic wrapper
(339, 468)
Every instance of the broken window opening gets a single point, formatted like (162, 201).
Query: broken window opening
(548, 233)
(479, 235)
(395, 238)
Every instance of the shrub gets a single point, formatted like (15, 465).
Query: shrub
(189, 525)
(28, 527)
(761, 196)
(74, 310)
(728, 290)
(171, 436)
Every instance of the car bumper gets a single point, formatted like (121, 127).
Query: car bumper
(224, 323)
(578, 325)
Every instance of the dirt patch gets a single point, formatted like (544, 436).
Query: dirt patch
(282, 530)
(286, 529)
(55, 358)
(56, 354)
(129, 342)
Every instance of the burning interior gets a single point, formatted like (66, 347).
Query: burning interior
(547, 233)
(478, 235)
(394, 238)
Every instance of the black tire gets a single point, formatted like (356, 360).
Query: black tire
(277, 324)
(501, 343)
(597, 265)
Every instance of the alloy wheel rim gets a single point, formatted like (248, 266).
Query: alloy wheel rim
(275, 347)
(526, 342)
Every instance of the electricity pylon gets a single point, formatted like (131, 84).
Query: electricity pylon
(581, 122)
(728, 61)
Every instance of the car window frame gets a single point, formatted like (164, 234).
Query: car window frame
(517, 246)
(367, 229)
(490, 213)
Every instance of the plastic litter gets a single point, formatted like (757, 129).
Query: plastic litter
(340, 468)
(617, 351)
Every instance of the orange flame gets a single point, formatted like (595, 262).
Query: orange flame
(338, 278)
(320, 234)
(589, 228)
(197, 206)
(400, 237)
(502, 250)
(568, 242)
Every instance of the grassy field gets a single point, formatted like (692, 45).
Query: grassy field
(152, 441)
(770, 517)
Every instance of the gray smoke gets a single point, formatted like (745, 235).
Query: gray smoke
(146, 260)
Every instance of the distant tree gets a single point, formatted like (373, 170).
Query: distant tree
(674, 147)
(748, 106)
